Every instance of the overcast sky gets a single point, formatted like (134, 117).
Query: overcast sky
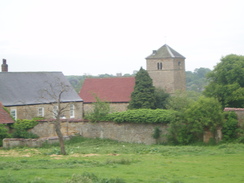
(114, 36)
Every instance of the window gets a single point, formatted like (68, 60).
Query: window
(179, 63)
(40, 112)
(55, 111)
(13, 113)
(159, 65)
(72, 111)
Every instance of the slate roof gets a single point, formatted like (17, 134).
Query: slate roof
(165, 52)
(27, 88)
(5, 116)
(116, 89)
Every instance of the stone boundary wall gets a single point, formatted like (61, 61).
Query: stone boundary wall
(123, 132)
(240, 114)
(20, 142)
(126, 132)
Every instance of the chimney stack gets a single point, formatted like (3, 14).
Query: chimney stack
(4, 66)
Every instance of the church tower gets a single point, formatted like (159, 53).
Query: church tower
(166, 67)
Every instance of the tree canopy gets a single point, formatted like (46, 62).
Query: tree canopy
(193, 118)
(205, 113)
(143, 95)
(196, 81)
(226, 81)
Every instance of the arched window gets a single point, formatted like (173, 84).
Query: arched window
(159, 65)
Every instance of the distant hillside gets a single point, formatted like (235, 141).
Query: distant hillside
(196, 81)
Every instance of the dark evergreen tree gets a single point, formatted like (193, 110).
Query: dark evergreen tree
(143, 95)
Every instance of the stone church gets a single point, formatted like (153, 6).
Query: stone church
(165, 66)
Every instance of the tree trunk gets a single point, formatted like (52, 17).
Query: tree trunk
(60, 137)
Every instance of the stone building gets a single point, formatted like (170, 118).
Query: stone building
(166, 67)
(36, 94)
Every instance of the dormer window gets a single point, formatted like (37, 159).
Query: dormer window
(159, 65)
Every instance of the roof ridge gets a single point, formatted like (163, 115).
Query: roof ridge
(168, 48)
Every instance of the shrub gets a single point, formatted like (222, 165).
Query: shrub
(142, 116)
(24, 124)
(20, 133)
(179, 132)
(206, 113)
(3, 133)
(189, 125)
(230, 127)
(100, 110)
(156, 134)
(21, 126)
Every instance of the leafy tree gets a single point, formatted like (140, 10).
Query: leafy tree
(178, 131)
(143, 95)
(206, 113)
(193, 118)
(181, 100)
(227, 81)
(161, 98)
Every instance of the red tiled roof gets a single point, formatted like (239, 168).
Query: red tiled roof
(117, 89)
(4, 116)
(233, 109)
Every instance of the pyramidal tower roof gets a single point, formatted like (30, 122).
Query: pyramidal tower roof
(165, 52)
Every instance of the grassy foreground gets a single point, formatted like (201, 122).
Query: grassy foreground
(94, 160)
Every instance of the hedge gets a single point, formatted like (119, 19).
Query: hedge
(142, 116)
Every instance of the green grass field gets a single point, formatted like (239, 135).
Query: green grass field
(111, 161)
